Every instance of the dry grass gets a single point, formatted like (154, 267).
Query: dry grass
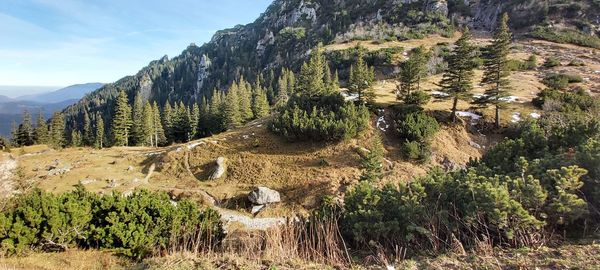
(73, 259)
(407, 44)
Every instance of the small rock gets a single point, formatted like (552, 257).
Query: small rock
(220, 169)
(264, 195)
(257, 208)
(112, 183)
(130, 168)
(87, 181)
(128, 193)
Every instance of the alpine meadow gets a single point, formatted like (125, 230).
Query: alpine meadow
(326, 134)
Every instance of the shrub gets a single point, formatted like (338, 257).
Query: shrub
(418, 98)
(136, 226)
(417, 127)
(552, 62)
(576, 63)
(565, 36)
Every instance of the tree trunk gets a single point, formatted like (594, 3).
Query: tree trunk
(454, 105)
(497, 116)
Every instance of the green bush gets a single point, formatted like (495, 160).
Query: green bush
(517, 65)
(418, 98)
(565, 36)
(417, 126)
(576, 63)
(137, 226)
(552, 62)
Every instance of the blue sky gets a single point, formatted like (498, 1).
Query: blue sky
(64, 42)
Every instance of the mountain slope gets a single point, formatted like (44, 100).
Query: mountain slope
(4, 99)
(285, 33)
(76, 92)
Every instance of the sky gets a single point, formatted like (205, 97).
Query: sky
(63, 42)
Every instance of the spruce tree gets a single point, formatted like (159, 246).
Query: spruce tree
(25, 131)
(159, 132)
(496, 68)
(245, 100)
(57, 130)
(14, 133)
(260, 102)
(121, 122)
(458, 77)
(76, 140)
(194, 120)
(232, 115)
(41, 130)
(412, 72)
(217, 122)
(283, 93)
(168, 121)
(311, 80)
(88, 134)
(372, 163)
(99, 142)
(361, 79)
(137, 130)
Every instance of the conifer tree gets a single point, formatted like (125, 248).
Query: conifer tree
(412, 72)
(361, 79)
(311, 80)
(181, 123)
(232, 115)
(121, 122)
(496, 67)
(203, 119)
(168, 121)
(217, 121)
(457, 79)
(284, 92)
(14, 133)
(57, 130)
(99, 142)
(194, 120)
(76, 140)
(260, 102)
(147, 125)
(159, 132)
(88, 134)
(137, 129)
(372, 163)
(245, 100)
(41, 130)
(25, 131)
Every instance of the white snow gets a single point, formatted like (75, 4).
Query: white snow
(510, 99)
(516, 117)
(478, 96)
(439, 94)
(469, 114)
(194, 145)
(349, 96)
(535, 115)
(381, 124)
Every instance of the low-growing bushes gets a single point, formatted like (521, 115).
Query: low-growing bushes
(566, 36)
(417, 129)
(136, 226)
(552, 62)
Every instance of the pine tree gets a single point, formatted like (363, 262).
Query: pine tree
(147, 124)
(457, 79)
(25, 131)
(217, 122)
(181, 123)
(361, 79)
(41, 130)
(232, 115)
(137, 133)
(88, 134)
(283, 93)
(76, 140)
(121, 122)
(372, 163)
(245, 100)
(412, 72)
(168, 121)
(159, 132)
(311, 81)
(99, 142)
(57, 130)
(194, 119)
(204, 119)
(496, 68)
(260, 102)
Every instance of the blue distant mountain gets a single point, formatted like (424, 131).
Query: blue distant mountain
(76, 91)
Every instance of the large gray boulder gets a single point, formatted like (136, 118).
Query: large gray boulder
(264, 195)
(220, 169)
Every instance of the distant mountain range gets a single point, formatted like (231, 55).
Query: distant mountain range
(11, 109)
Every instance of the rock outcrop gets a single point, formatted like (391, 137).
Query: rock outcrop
(264, 195)
(220, 169)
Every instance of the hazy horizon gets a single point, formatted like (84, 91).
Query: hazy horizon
(53, 44)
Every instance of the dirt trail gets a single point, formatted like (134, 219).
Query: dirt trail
(7, 166)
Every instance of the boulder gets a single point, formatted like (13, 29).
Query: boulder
(264, 195)
(220, 169)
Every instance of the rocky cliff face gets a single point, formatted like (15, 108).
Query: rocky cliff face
(285, 33)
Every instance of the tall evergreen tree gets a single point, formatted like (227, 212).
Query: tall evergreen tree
(194, 120)
(159, 132)
(311, 81)
(260, 102)
(57, 130)
(168, 121)
(14, 133)
(457, 80)
(232, 115)
(88, 134)
(412, 71)
(76, 140)
(147, 124)
(361, 79)
(217, 121)
(121, 122)
(244, 96)
(99, 142)
(25, 131)
(137, 129)
(41, 130)
(496, 68)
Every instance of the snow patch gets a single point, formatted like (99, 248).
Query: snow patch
(510, 99)
(516, 117)
(535, 115)
(349, 96)
(381, 124)
(439, 94)
(474, 117)
(194, 145)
